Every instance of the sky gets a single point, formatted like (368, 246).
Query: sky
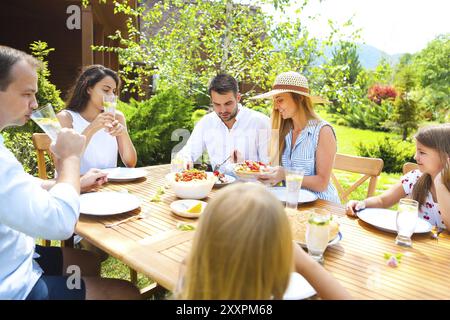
(393, 26)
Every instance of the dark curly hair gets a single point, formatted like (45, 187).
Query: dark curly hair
(78, 96)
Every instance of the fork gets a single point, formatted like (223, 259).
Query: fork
(216, 167)
(115, 224)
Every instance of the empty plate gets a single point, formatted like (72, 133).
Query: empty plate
(298, 288)
(108, 203)
(124, 174)
(384, 219)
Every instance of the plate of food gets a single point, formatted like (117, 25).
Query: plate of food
(188, 208)
(223, 179)
(385, 219)
(250, 170)
(298, 221)
(192, 183)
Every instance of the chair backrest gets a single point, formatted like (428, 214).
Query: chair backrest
(409, 166)
(42, 143)
(369, 167)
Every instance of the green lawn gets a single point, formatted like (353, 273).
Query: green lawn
(347, 139)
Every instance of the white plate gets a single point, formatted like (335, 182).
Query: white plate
(303, 197)
(124, 174)
(332, 242)
(229, 180)
(180, 208)
(384, 219)
(107, 203)
(298, 288)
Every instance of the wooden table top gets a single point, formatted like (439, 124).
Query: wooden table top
(155, 247)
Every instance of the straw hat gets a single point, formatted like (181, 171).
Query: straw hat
(291, 82)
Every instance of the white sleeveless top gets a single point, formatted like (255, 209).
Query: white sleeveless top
(101, 152)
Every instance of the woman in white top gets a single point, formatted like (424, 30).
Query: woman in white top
(106, 133)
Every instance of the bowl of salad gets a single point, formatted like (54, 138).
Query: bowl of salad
(191, 184)
(250, 170)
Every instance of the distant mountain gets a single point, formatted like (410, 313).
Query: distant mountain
(369, 56)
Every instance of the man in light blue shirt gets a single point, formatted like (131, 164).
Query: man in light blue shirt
(30, 207)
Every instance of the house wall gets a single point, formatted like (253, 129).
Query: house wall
(25, 21)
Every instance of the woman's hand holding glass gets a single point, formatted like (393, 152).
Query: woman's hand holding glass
(103, 120)
(117, 129)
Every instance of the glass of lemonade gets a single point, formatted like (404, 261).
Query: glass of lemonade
(317, 233)
(407, 217)
(179, 162)
(110, 103)
(46, 119)
(294, 179)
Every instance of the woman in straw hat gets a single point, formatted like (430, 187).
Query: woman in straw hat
(299, 137)
(257, 254)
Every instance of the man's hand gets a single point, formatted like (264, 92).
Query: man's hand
(92, 179)
(69, 143)
(236, 156)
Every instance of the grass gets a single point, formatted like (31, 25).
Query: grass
(347, 139)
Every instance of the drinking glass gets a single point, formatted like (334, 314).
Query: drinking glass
(317, 233)
(294, 179)
(46, 119)
(176, 162)
(110, 103)
(180, 162)
(407, 217)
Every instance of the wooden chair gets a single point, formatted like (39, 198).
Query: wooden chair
(42, 143)
(409, 166)
(369, 167)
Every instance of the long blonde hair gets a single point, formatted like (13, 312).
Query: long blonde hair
(438, 138)
(242, 248)
(281, 127)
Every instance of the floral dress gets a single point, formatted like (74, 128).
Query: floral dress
(430, 210)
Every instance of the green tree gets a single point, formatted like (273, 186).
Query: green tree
(188, 42)
(406, 108)
(346, 55)
(432, 67)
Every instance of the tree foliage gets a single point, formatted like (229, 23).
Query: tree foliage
(188, 42)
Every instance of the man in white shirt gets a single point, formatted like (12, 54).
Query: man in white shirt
(230, 132)
(30, 207)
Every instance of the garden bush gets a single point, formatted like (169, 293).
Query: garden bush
(377, 93)
(393, 152)
(152, 122)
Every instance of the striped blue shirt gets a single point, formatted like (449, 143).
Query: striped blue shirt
(303, 155)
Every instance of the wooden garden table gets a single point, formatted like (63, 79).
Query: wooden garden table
(155, 247)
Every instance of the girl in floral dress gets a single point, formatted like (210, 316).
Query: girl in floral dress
(429, 185)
